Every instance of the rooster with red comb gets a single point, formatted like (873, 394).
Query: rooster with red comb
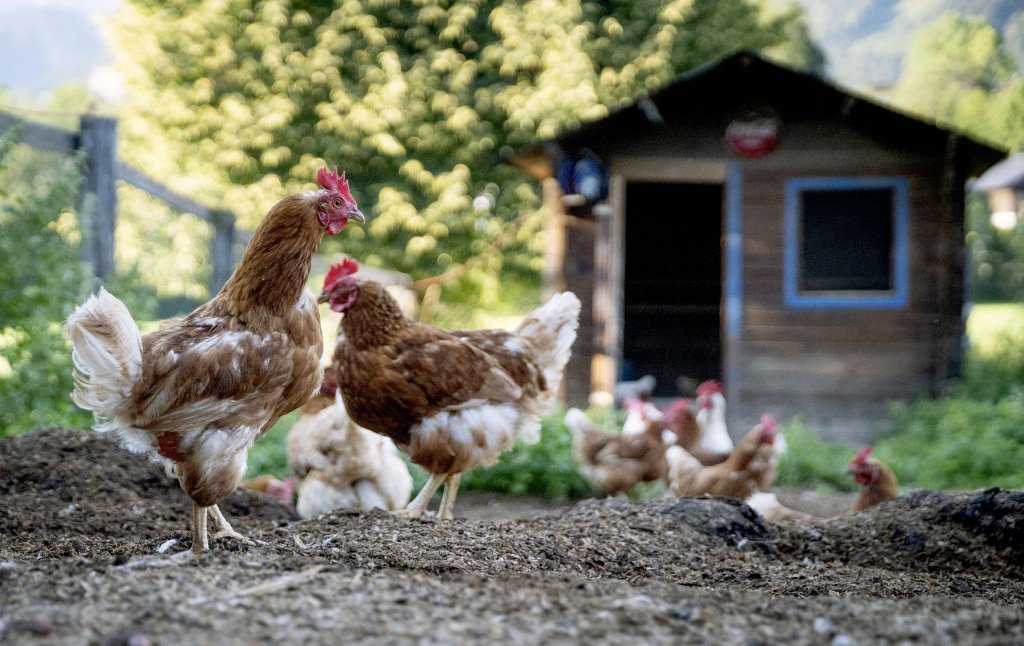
(196, 393)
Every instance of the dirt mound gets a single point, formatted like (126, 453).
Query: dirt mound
(81, 520)
(70, 490)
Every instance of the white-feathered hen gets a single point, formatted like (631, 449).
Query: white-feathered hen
(341, 465)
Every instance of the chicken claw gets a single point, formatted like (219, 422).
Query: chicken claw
(222, 528)
(418, 506)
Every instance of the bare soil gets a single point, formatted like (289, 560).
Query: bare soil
(81, 523)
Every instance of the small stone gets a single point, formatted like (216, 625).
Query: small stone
(822, 626)
(843, 640)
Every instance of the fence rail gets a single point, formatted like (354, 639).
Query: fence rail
(96, 140)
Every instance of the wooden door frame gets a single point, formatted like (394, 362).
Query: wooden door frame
(610, 250)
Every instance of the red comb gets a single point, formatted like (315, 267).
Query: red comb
(677, 406)
(708, 387)
(339, 270)
(332, 182)
(768, 422)
(861, 456)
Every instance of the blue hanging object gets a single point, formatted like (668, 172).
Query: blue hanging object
(590, 179)
(563, 174)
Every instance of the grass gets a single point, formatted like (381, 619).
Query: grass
(989, 323)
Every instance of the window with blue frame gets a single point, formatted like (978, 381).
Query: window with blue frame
(846, 242)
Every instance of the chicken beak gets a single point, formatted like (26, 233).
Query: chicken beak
(323, 297)
(357, 215)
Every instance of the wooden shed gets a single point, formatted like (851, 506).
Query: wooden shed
(762, 226)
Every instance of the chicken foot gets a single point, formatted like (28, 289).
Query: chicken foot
(419, 504)
(451, 489)
(222, 528)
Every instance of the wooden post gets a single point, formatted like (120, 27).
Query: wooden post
(98, 142)
(222, 249)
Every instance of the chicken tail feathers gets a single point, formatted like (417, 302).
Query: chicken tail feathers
(550, 331)
(107, 355)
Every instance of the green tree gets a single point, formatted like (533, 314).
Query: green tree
(958, 71)
(237, 102)
(41, 282)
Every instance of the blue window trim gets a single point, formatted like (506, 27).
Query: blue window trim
(889, 299)
(734, 250)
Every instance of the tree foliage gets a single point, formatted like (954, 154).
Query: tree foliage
(958, 70)
(238, 102)
(41, 282)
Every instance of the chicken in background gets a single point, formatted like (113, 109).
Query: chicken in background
(283, 490)
(877, 481)
(198, 392)
(750, 468)
(452, 400)
(639, 414)
(767, 504)
(613, 462)
(341, 465)
(681, 421)
(714, 434)
(641, 388)
(877, 484)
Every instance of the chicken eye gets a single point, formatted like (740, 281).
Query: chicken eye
(337, 203)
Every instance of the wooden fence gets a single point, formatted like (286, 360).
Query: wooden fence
(96, 140)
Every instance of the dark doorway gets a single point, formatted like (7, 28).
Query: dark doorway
(673, 283)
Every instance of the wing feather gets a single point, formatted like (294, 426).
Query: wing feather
(219, 379)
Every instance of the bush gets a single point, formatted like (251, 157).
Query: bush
(957, 443)
(41, 281)
(997, 372)
(809, 462)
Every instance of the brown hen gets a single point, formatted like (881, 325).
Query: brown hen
(198, 392)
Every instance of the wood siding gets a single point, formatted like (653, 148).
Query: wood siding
(838, 368)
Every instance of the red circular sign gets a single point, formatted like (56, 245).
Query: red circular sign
(753, 136)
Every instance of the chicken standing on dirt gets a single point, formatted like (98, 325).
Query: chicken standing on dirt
(617, 462)
(639, 414)
(877, 481)
(453, 400)
(750, 468)
(681, 422)
(341, 465)
(197, 393)
(714, 434)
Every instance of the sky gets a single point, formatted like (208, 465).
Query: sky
(46, 43)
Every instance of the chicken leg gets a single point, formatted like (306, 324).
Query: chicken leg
(451, 489)
(223, 529)
(419, 504)
(200, 540)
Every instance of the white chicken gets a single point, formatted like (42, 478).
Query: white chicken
(639, 415)
(714, 435)
(341, 465)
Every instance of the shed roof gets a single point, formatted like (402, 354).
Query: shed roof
(1008, 173)
(718, 89)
